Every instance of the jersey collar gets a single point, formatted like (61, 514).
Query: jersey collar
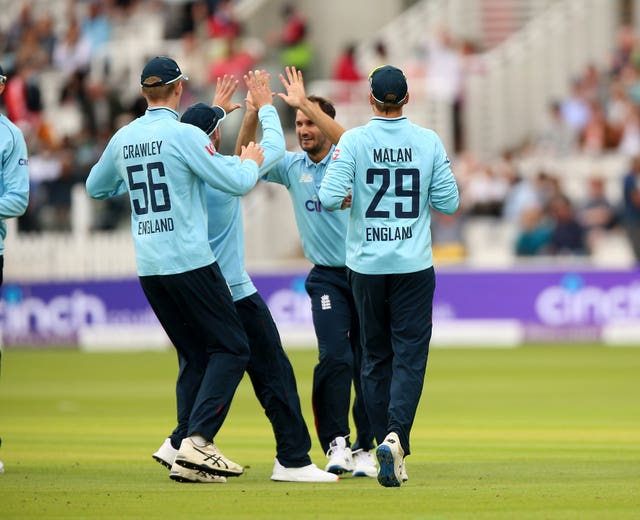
(380, 118)
(162, 112)
(308, 162)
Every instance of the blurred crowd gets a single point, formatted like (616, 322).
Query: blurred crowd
(48, 61)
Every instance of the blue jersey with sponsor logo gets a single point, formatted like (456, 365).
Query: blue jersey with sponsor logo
(163, 164)
(396, 171)
(226, 231)
(322, 231)
(14, 175)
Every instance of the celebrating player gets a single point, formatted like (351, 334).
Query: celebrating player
(163, 164)
(14, 180)
(391, 171)
(335, 320)
(269, 368)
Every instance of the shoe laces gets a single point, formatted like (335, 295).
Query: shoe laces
(336, 446)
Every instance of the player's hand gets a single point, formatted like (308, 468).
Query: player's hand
(294, 85)
(225, 89)
(254, 152)
(258, 86)
(346, 202)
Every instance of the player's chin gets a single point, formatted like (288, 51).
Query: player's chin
(308, 145)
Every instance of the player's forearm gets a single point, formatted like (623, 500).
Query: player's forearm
(13, 204)
(332, 193)
(273, 142)
(248, 130)
(101, 186)
(329, 126)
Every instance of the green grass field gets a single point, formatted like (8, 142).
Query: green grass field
(535, 432)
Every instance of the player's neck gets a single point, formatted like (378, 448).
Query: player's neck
(318, 155)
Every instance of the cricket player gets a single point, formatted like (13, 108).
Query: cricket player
(391, 172)
(335, 319)
(14, 181)
(269, 367)
(163, 165)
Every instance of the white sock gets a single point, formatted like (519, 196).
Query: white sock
(199, 440)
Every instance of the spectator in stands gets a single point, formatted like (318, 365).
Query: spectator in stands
(346, 68)
(617, 108)
(379, 56)
(520, 197)
(484, 192)
(631, 209)
(73, 52)
(445, 75)
(346, 72)
(629, 144)
(567, 235)
(15, 31)
(597, 215)
(23, 101)
(235, 61)
(557, 138)
(223, 23)
(47, 37)
(295, 49)
(575, 107)
(534, 233)
(31, 52)
(96, 27)
(596, 135)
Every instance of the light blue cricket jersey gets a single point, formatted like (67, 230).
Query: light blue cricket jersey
(164, 165)
(396, 170)
(322, 231)
(14, 175)
(226, 230)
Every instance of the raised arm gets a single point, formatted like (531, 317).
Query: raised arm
(296, 97)
(261, 98)
(249, 125)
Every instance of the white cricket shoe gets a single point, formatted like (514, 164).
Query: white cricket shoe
(310, 473)
(166, 454)
(1, 467)
(390, 456)
(207, 458)
(340, 459)
(364, 464)
(403, 471)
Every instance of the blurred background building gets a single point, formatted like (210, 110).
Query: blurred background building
(537, 102)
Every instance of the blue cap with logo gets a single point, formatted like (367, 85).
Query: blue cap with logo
(388, 84)
(159, 71)
(205, 117)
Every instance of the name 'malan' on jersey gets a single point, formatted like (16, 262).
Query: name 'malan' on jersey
(396, 170)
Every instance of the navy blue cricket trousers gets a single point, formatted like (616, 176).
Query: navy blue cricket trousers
(196, 311)
(339, 358)
(396, 322)
(274, 382)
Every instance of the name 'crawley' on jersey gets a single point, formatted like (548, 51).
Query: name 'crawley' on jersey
(397, 170)
(163, 164)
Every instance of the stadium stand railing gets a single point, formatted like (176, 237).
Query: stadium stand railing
(507, 101)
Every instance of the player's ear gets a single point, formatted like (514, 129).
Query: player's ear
(371, 100)
(406, 99)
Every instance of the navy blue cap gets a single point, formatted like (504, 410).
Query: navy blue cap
(161, 70)
(205, 117)
(388, 84)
